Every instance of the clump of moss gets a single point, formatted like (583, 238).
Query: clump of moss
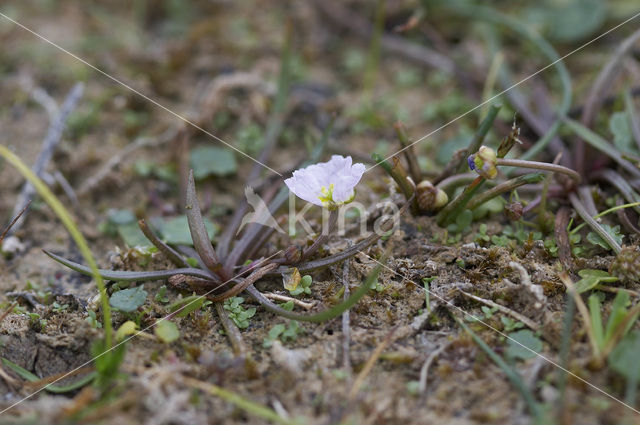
(626, 265)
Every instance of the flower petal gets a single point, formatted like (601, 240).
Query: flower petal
(332, 182)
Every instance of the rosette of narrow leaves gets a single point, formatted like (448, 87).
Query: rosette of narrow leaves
(220, 277)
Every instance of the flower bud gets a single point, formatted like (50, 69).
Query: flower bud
(513, 211)
(430, 197)
(293, 254)
(484, 162)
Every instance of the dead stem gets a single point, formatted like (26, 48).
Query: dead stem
(34, 385)
(249, 280)
(11, 381)
(13, 221)
(8, 311)
(119, 157)
(239, 347)
(424, 370)
(57, 125)
(528, 322)
(562, 237)
(408, 152)
(280, 297)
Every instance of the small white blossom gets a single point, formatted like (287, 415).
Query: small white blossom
(327, 184)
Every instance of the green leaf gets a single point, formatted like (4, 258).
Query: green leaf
(275, 331)
(596, 319)
(464, 219)
(167, 331)
(450, 146)
(56, 389)
(526, 338)
(119, 217)
(132, 235)
(624, 357)
(107, 361)
(568, 20)
(212, 161)
(175, 231)
(187, 304)
(273, 334)
(614, 231)
(591, 278)
(128, 300)
(617, 315)
(127, 328)
(619, 127)
(288, 305)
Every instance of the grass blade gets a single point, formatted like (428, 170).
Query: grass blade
(68, 222)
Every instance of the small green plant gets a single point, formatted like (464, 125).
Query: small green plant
(58, 308)
(36, 320)
(93, 321)
(487, 313)
(161, 295)
(128, 300)
(482, 236)
(284, 333)
(376, 286)
(304, 287)
(239, 315)
(510, 324)
(523, 344)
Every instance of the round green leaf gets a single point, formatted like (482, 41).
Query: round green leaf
(212, 161)
(175, 231)
(167, 331)
(526, 338)
(128, 300)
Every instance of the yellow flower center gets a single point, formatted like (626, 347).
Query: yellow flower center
(326, 196)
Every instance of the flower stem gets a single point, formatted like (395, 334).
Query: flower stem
(322, 237)
(449, 213)
(535, 165)
(503, 187)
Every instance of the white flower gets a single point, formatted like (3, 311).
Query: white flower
(328, 184)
